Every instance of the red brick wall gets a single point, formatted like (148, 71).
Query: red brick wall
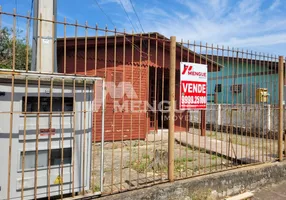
(118, 125)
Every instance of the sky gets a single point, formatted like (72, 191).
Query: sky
(257, 25)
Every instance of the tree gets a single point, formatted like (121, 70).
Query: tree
(6, 50)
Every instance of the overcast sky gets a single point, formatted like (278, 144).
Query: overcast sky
(258, 25)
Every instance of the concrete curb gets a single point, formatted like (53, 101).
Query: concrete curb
(217, 185)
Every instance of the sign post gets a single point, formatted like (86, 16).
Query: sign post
(193, 89)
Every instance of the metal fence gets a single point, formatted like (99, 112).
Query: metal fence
(109, 121)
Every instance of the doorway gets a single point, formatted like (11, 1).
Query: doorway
(159, 93)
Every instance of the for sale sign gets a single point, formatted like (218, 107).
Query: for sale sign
(193, 86)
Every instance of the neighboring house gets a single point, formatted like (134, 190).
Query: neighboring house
(143, 76)
(239, 80)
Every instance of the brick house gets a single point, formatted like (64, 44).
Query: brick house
(147, 75)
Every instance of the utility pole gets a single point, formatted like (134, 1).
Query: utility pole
(44, 36)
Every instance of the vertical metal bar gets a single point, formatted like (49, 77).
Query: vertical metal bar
(241, 105)
(187, 120)
(131, 114)
(180, 117)
(147, 99)
(163, 93)
(231, 149)
(221, 107)
(74, 111)
(94, 112)
(227, 105)
(205, 141)
(50, 138)
(212, 95)
(24, 139)
(267, 74)
(25, 102)
(140, 97)
(247, 104)
(123, 112)
(251, 111)
(193, 119)
(273, 107)
(75, 48)
(84, 112)
(65, 46)
(203, 119)
(102, 136)
(85, 49)
(263, 105)
(113, 114)
(10, 135)
(105, 52)
(84, 133)
(37, 139)
(237, 105)
(259, 122)
(62, 136)
(280, 139)
(74, 135)
(216, 103)
(172, 82)
(156, 121)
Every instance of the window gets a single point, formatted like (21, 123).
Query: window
(236, 88)
(218, 88)
(56, 155)
(32, 104)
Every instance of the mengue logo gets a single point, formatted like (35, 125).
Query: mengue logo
(188, 69)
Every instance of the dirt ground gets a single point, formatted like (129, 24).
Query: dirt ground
(130, 164)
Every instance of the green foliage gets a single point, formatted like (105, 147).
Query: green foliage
(7, 43)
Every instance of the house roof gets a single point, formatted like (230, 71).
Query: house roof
(152, 36)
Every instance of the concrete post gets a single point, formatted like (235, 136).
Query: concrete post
(172, 82)
(280, 130)
(43, 40)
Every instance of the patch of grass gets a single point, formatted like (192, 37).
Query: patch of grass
(237, 140)
(180, 163)
(96, 188)
(140, 165)
(213, 157)
(145, 156)
(212, 135)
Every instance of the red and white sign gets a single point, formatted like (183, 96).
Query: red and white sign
(193, 86)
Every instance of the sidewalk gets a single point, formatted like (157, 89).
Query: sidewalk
(275, 192)
(224, 148)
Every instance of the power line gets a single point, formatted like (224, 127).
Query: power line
(104, 13)
(127, 15)
(31, 11)
(137, 16)
(134, 45)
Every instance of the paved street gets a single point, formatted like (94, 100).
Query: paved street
(274, 192)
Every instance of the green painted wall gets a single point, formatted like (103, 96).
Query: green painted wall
(250, 76)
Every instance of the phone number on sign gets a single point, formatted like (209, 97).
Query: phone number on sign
(194, 100)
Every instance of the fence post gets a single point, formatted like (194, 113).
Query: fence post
(172, 77)
(281, 85)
